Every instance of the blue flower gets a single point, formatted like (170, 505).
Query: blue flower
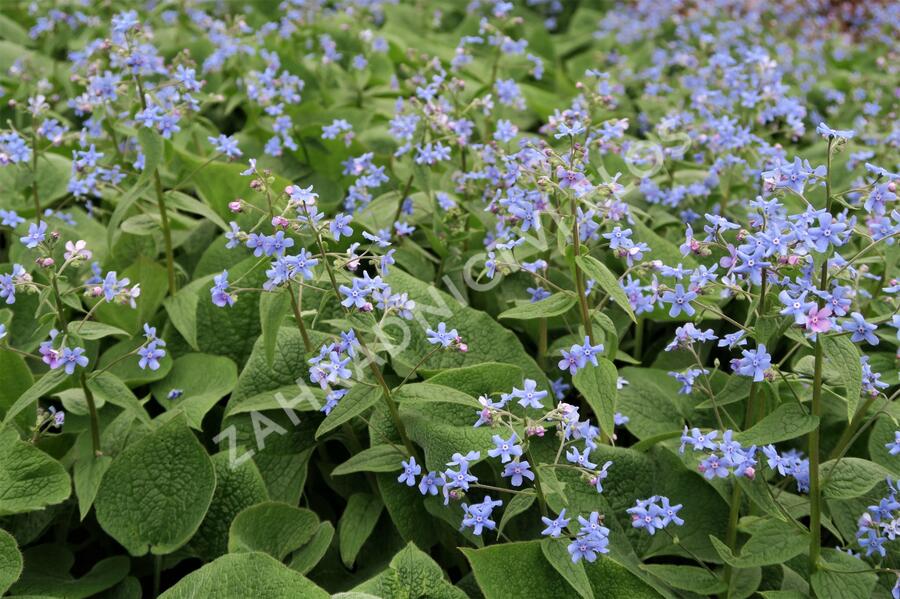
(680, 300)
(226, 145)
(505, 448)
(860, 329)
(754, 363)
(581, 459)
(555, 526)
(529, 397)
(442, 336)
(36, 235)
(410, 471)
(340, 226)
(478, 515)
(150, 356)
(71, 357)
(430, 483)
(894, 446)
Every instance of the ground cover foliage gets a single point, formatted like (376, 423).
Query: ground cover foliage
(449, 299)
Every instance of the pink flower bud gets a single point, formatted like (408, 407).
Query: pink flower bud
(235, 206)
(750, 472)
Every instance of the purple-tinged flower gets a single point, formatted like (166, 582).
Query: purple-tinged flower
(818, 320)
(219, 291)
(516, 470)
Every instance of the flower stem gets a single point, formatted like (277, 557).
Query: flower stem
(815, 498)
(295, 305)
(579, 278)
(167, 231)
(95, 421)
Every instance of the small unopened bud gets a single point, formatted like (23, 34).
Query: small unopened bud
(46, 262)
(236, 206)
(279, 222)
(750, 472)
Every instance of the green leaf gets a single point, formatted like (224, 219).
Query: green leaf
(115, 362)
(273, 307)
(356, 524)
(154, 286)
(555, 305)
(10, 561)
(607, 281)
(598, 386)
(648, 403)
(558, 556)
(182, 309)
(305, 559)
(842, 356)
(29, 478)
(842, 576)
(788, 421)
(660, 247)
(185, 203)
(238, 486)
(519, 504)
(44, 386)
(87, 474)
(771, 542)
(688, 578)
(480, 379)
(411, 573)
(204, 379)
(488, 341)
(850, 477)
(360, 398)
(90, 329)
(157, 491)
(378, 458)
(12, 31)
(423, 393)
(441, 429)
(15, 379)
(47, 574)
(109, 388)
(249, 575)
(258, 379)
(520, 570)
(152, 146)
(272, 527)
